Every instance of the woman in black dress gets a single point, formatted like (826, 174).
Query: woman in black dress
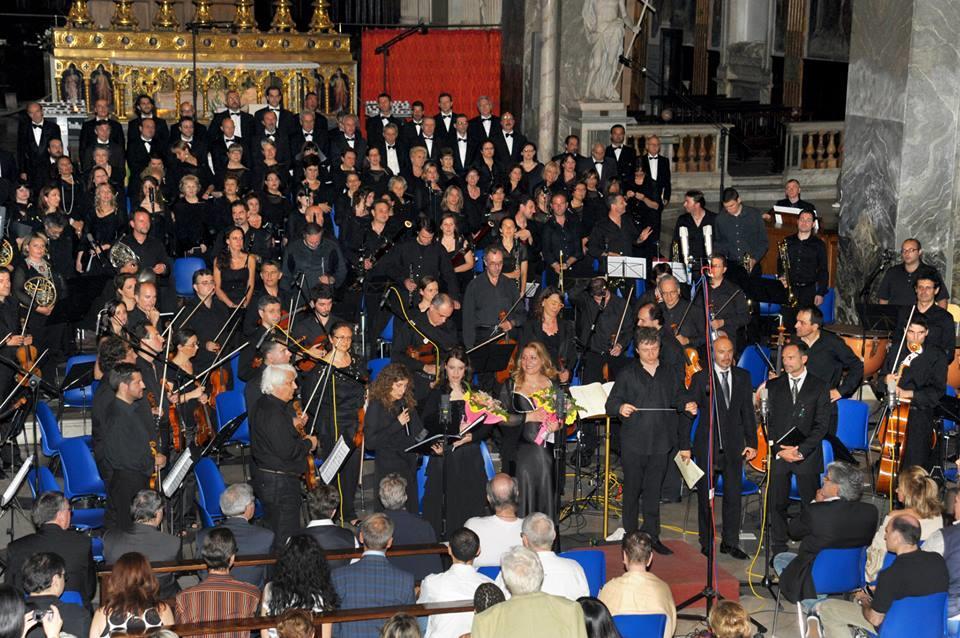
(35, 264)
(103, 224)
(644, 205)
(532, 168)
(457, 248)
(474, 200)
(375, 175)
(466, 479)
(546, 326)
(276, 207)
(392, 425)
(514, 253)
(190, 218)
(234, 271)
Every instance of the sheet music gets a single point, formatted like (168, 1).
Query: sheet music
(334, 460)
(177, 473)
(11, 492)
(592, 398)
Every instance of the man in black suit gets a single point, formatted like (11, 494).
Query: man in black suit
(625, 156)
(199, 130)
(485, 125)
(413, 128)
(322, 506)
(605, 166)
(51, 517)
(375, 123)
(734, 439)
(286, 122)
(446, 118)
(238, 505)
(270, 131)
(463, 145)
(226, 138)
(571, 146)
(244, 124)
(394, 151)
(147, 110)
(508, 142)
(309, 131)
(33, 137)
(102, 138)
(799, 407)
(657, 168)
(347, 137)
(836, 520)
(429, 139)
(88, 133)
(186, 131)
(409, 529)
(143, 145)
(146, 538)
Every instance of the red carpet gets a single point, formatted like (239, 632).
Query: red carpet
(685, 570)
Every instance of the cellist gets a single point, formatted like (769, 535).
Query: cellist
(921, 381)
(604, 331)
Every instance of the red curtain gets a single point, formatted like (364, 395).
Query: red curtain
(464, 63)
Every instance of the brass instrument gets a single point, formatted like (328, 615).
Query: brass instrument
(42, 290)
(675, 253)
(121, 254)
(6, 254)
(785, 261)
(745, 261)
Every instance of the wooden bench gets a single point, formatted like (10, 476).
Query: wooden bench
(339, 616)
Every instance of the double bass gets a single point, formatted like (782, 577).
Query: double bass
(892, 431)
(759, 462)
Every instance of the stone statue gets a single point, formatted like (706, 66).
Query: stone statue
(603, 23)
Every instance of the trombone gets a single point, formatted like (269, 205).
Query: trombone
(785, 261)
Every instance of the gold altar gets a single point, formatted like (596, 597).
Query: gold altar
(123, 61)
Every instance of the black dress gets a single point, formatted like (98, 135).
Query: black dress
(189, 223)
(105, 231)
(388, 439)
(466, 484)
(534, 471)
(233, 282)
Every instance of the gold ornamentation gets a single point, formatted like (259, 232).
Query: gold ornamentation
(123, 17)
(282, 20)
(79, 15)
(320, 22)
(202, 16)
(166, 17)
(244, 20)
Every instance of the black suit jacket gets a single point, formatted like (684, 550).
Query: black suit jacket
(286, 121)
(663, 174)
(443, 130)
(374, 127)
(248, 126)
(338, 143)
(218, 152)
(332, 537)
(321, 138)
(138, 157)
(88, 133)
(476, 131)
(735, 426)
(251, 540)
(627, 163)
(73, 547)
(152, 543)
(280, 139)
(133, 129)
(473, 147)
(433, 151)
(409, 132)
(114, 151)
(33, 158)
(200, 132)
(608, 169)
(403, 154)
(410, 529)
(810, 415)
(504, 157)
(824, 525)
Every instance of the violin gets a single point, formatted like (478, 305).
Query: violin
(507, 372)
(308, 364)
(691, 357)
(425, 354)
(759, 462)
(155, 477)
(201, 417)
(358, 435)
(892, 431)
(175, 438)
(310, 476)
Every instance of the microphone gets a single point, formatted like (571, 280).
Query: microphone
(764, 405)
(151, 195)
(383, 299)
(684, 243)
(444, 412)
(95, 247)
(708, 240)
(891, 394)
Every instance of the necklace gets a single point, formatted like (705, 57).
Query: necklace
(63, 198)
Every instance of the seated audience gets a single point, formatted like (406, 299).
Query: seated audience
(301, 579)
(728, 619)
(371, 581)
(500, 531)
(913, 573)
(16, 623)
(51, 517)
(401, 626)
(238, 505)
(638, 591)
(322, 506)
(597, 618)
(408, 529)
(561, 576)
(145, 537)
(460, 582)
(837, 519)
(295, 623)
(529, 613)
(43, 577)
(486, 596)
(219, 596)
(946, 542)
(130, 600)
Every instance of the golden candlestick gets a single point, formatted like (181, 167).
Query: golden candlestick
(166, 17)
(320, 22)
(79, 15)
(282, 20)
(202, 16)
(123, 17)
(244, 20)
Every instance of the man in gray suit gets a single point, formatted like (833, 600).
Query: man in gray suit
(238, 505)
(146, 538)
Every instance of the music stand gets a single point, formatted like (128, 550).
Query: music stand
(874, 316)
(627, 267)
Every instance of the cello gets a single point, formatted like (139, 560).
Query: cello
(759, 462)
(892, 431)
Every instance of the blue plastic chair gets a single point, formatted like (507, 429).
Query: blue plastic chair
(422, 482)
(829, 306)
(210, 486)
(902, 619)
(230, 405)
(183, 269)
(835, 571)
(753, 362)
(81, 519)
(827, 448)
(79, 396)
(478, 256)
(490, 571)
(594, 565)
(769, 309)
(852, 416)
(81, 478)
(487, 460)
(639, 288)
(374, 366)
(51, 438)
(71, 598)
(640, 625)
(333, 223)
(238, 384)
(386, 336)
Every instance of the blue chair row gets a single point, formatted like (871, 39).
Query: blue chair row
(51, 437)
(42, 480)
(593, 562)
(80, 396)
(210, 485)
(828, 307)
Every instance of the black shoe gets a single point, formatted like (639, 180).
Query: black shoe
(734, 551)
(660, 548)
(703, 550)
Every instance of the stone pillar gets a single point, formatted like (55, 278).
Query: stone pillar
(793, 52)
(547, 121)
(901, 168)
(745, 63)
(701, 60)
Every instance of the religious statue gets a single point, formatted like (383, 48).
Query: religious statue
(604, 22)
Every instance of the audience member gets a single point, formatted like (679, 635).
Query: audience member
(460, 582)
(561, 576)
(145, 537)
(500, 531)
(372, 581)
(43, 580)
(486, 596)
(130, 600)
(301, 579)
(295, 623)
(238, 505)
(51, 517)
(728, 619)
(401, 626)
(219, 596)
(322, 506)
(14, 621)
(946, 542)
(638, 591)
(597, 618)
(408, 529)
(530, 612)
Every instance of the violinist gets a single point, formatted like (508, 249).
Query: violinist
(940, 324)
(272, 353)
(9, 325)
(918, 374)
(206, 316)
(111, 351)
(422, 341)
(268, 315)
(128, 446)
(125, 286)
(427, 289)
(150, 348)
(684, 317)
(602, 330)
(185, 348)
(729, 314)
(114, 318)
(487, 296)
(314, 330)
(650, 315)
(279, 451)
(421, 255)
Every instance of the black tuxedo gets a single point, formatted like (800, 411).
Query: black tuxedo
(286, 121)
(198, 148)
(319, 136)
(608, 169)
(833, 524)
(72, 546)
(627, 163)
(403, 155)
(200, 132)
(433, 150)
(409, 132)
(375, 124)
(479, 133)
(138, 157)
(445, 130)
(663, 174)
(472, 148)
(505, 157)
(218, 152)
(338, 143)
(33, 158)
(88, 133)
(280, 139)
(735, 428)
(247, 130)
(114, 154)
(133, 129)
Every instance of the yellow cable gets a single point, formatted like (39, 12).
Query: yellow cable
(406, 318)
(336, 435)
(763, 526)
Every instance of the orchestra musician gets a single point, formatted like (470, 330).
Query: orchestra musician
(940, 326)
(185, 347)
(422, 340)
(650, 315)
(35, 315)
(421, 255)
(207, 317)
(741, 237)
(898, 282)
(314, 330)
(145, 294)
(799, 404)
(150, 250)
(729, 314)
(268, 284)
(921, 380)
(695, 219)
(648, 396)
(681, 315)
(734, 440)
(149, 346)
(268, 315)
(603, 330)
(391, 425)
(272, 353)
(487, 296)
(546, 326)
(10, 325)
(809, 277)
(279, 451)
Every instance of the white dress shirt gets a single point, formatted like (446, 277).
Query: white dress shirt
(236, 121)
(37, 132)
(462, 150)
(496, 537)
(393, 162)
(508, 140)
(561, 577)
(654, 166)
(459, 582)
(486, 121)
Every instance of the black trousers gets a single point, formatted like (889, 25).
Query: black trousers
(916, 448)
(123, 487)
(807, 485)
(280, 495)
(730, 468)
(642, 477)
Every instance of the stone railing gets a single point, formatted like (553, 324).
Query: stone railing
(693, 151)
(813, 146)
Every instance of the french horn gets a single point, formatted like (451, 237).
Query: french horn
(6, 253)
(121, 254)
(42, 290)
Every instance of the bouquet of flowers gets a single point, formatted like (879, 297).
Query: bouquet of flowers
(546, 400)
(477, 403)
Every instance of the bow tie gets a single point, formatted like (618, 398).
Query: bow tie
(446, 117)
(102, 119)
(598, 162)
(617, 148)
(417, 123)
(146, 116)
(653, 157)
(232, 113)
(39, 126)
(272, 136)
(145, 140)
(390, 147)
(349, 139)
(308, 133)
(487, 118)
(508, 134)
(462, 140)
(275, 109)
(228, 140)
(428, 138)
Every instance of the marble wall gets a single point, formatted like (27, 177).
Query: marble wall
(901, 169)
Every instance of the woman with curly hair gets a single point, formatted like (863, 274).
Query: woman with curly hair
(391, 425)
(130, 600)
(234, 271)
(301, 581)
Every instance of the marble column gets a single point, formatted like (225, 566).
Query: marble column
(547, 127)
(901, 168)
